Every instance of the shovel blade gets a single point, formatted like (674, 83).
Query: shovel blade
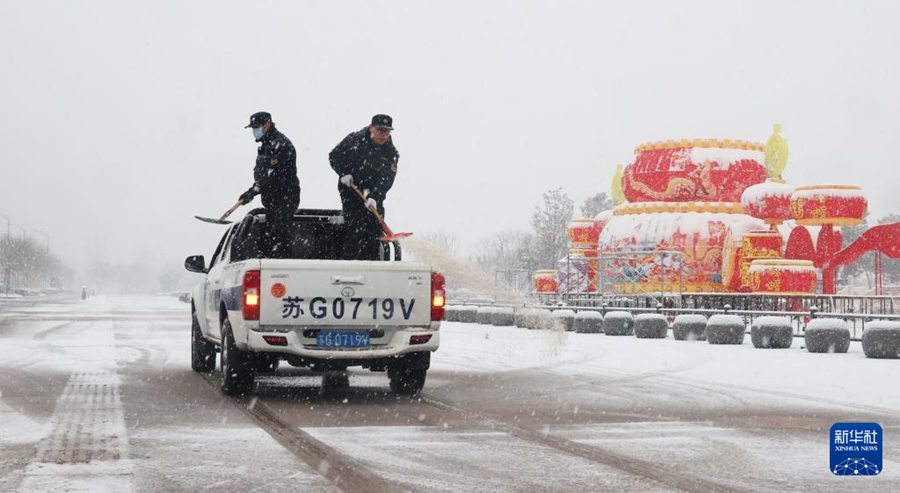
(394, 236)
(212, 220)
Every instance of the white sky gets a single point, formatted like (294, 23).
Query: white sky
(122, 120)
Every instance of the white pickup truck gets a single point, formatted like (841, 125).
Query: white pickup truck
(312, 310)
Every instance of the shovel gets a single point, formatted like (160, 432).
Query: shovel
(221, 220)
(388, 234)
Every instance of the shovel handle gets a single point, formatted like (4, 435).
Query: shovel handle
(362, 197)
(229, 211)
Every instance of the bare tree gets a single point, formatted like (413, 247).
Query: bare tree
(550, 220)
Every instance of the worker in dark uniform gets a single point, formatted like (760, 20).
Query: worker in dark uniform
(367, 159)
(275, 179)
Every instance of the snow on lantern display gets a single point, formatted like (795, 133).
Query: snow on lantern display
(684, 199)
(703, 215)
(837, 205)
(782, 276)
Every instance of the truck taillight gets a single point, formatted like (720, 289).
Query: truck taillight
(251, 295)
(438, 296)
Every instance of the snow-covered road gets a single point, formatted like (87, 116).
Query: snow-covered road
(98, 395)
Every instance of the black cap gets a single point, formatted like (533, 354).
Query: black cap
(383, 121)
(259, 119)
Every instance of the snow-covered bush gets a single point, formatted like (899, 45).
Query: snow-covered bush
(541, 319)
(618, 324)
(503, 316)
(689, 327)
(772, 332)
(468, 314)
(651, 326)
(451, 313)
(588, 322)
(566, 318)
(484, 315)
(881, 339)
(725, 329)
(827, 335)
(522, 317)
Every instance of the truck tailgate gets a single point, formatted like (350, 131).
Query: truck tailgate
(344, 293)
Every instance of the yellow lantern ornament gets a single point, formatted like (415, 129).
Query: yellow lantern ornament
(776, 154)
(616, 192)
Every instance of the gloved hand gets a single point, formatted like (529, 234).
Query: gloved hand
(371, 204)
(366, 193)
(347, 180)
(247, 196)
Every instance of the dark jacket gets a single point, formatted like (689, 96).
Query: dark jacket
(275, 173)
(373, 167)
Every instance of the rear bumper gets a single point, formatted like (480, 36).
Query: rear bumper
(297, 345)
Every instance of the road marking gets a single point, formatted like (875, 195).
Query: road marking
(87, 446)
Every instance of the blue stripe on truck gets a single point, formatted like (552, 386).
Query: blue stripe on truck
(233, 297)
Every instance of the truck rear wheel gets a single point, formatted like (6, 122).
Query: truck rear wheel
(407, 381)
(203, 352)
(238, 371)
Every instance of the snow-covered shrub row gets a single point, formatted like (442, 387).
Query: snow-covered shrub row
(566, 318)
(827, 335)
(651, 326)
(451, 313)
(689, 327)
(772, 332)
(467, 314)
(881, 339)
(484, 315)
(503, 316)
(540, 319)
(618, 324)
(725, 329)
(521, 318)
(588, 322)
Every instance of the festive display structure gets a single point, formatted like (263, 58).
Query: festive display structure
(769, 201)
(584, 266)
(545, 281)
(583, 233)
(782, 276)
(703, 215)
(692, 234)
(740, 249)
(691, 170)
(838, 205)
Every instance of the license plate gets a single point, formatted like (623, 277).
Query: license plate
(342, 338)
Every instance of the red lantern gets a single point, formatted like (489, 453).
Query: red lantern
(545, 281)
(753, 245)
(584, 233)
(769, 201)
(839, 205)
(782, 276)
(706, 170)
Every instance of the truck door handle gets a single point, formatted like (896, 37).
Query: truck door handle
(348, 280)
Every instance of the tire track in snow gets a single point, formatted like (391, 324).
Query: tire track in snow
(665, 475)
(343, 471)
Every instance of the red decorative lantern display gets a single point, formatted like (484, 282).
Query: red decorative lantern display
(839, 205)
(782, 276)
(584, 233)
(700, 169)
(769, 201)
(736, 261)
(694, 232)
(545, 281)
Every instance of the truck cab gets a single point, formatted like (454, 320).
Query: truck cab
(312, 309)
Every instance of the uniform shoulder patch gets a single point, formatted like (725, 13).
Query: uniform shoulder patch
(273, 161)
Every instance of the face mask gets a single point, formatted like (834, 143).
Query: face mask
(257, 133)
